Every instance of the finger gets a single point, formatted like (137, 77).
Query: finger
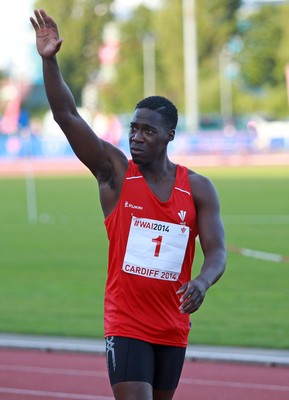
(188, 294)
(39, 19)
(190, 299)
(43, 14)
(34, 24)
(50, 22)
(188, 307)
(182, 289)
(46, 19)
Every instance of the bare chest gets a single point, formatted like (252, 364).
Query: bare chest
(163, 189)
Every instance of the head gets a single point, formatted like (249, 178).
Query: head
(152, 128)
(164, 107)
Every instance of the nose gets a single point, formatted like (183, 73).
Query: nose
(137, 136)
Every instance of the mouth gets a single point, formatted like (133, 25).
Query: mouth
(135, 151)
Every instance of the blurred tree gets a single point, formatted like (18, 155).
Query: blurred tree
(282, 52)
(265, 54)
(262, 59)
(169, 40)
(258, 59)
(80, 24)
(128, 88)
(215, 24)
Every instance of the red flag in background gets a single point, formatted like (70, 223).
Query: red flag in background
(10, 118)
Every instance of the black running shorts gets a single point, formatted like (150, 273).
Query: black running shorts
(135, 360)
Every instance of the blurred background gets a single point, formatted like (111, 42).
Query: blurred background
(224, 63)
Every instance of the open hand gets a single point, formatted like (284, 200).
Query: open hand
(47, 37)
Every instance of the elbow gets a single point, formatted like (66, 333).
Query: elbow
(223, 261)
(63, 119)
(60, 118)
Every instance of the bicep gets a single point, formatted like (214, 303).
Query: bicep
(210, 226)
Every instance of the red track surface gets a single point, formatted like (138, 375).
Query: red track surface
(31, 375)
(72, 166)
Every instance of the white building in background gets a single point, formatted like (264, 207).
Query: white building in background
(270, 135)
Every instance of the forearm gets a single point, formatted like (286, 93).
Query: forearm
(213, 267)
(193, 292)
(86, 145)
(58, 93)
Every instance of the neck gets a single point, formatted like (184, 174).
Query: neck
(158, 170)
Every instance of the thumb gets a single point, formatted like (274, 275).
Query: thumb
(58, 44)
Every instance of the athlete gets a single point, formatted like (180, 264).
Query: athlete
(154, 209)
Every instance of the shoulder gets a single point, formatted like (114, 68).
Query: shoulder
(199, 181)
(202, 188)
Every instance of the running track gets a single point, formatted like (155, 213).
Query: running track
(40, 375)
(72, 166)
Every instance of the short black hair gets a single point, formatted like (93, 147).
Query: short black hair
(164, 107)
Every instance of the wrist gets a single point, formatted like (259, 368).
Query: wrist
(203, 281)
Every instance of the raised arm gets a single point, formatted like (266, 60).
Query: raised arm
(212, 240)
(105, 161)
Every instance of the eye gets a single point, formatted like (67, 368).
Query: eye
(132, 129)
(149, 131)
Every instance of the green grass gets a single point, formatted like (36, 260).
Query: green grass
(249, 306)
(53, 272)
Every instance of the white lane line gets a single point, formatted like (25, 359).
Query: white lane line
(54, 371)
(184, 381)
(239, 385)
(259, 255)
(56, 395)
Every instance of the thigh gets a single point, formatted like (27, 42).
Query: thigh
(169, 361)
(129, 360)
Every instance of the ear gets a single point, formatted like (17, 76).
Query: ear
(171, 135)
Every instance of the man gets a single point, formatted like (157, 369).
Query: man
(153, 210)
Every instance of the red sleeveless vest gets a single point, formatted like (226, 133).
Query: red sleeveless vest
(151, 251)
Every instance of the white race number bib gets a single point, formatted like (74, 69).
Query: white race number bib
(155, 249)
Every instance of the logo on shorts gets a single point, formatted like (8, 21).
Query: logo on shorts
(110, 354)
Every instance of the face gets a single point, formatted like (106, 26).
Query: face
(148, 136)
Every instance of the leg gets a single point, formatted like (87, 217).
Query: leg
(132, 391)
(163, 394)
(169, 362)
(131, 368)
